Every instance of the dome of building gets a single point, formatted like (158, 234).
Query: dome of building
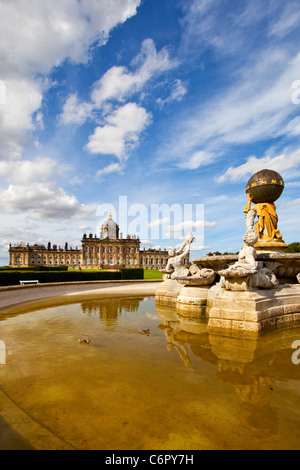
(109, 229)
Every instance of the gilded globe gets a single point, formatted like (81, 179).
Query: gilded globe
(265, 186)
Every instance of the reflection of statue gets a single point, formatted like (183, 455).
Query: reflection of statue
(266, 226)
(179, 346)
(175, 264)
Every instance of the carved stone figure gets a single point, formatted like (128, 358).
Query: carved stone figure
(245, 273)
(246, 263)
(175, 265)
(196, 276)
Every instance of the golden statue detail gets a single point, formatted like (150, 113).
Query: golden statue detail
(263, 189)
(266, 226)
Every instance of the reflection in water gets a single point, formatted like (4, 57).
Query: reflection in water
(172, 343)
(182, 387)
(110, 311)
(252, 366)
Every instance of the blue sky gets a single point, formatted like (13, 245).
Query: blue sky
(170, 102)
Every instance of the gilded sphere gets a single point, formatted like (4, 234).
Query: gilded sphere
(265, 186)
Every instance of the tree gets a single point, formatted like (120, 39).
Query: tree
(293, 247)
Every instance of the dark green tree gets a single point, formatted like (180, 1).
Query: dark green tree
(293, 247)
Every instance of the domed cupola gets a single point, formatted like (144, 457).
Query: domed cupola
(109, 229)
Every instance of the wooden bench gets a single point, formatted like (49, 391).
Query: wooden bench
(29, 282)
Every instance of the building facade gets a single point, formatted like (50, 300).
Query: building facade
(108, 251)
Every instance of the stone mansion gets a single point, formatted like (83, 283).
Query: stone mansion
(108, 251)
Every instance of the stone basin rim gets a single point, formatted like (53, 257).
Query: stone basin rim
(14, 296)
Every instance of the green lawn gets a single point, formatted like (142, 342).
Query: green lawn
(152, 274)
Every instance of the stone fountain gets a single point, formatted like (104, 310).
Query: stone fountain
(257, 289)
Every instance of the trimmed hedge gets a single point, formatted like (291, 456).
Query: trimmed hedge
(13, 277)
(35, 268)
(132, 273)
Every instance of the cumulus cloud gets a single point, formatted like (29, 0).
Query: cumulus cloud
(253, 164)
(119, 83)
(27, 171)
(42, 201)
(121, 131)
(121, 124)
(34, 38)
(75, 111)
(54, 31)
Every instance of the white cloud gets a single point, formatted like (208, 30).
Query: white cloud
(196, 160)
(288, 20)
(42, 201)
(75, 111)
(119, 83)
(53, 31)
(158, 222)
(33, 191)
(254, 103)
(27, 171)
(111, 168)
(222, 26)
(256, 107)
(189, 226)
(178, 91)
(121, 125)
(22, 98)
(34, 38)
(253, 164)
(293, 127)
(293, 203)
(120, 132)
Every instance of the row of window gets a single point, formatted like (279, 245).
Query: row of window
(92, 261)
(152, 261)
(96, 249)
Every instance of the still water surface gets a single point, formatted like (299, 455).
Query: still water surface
(181, 387)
